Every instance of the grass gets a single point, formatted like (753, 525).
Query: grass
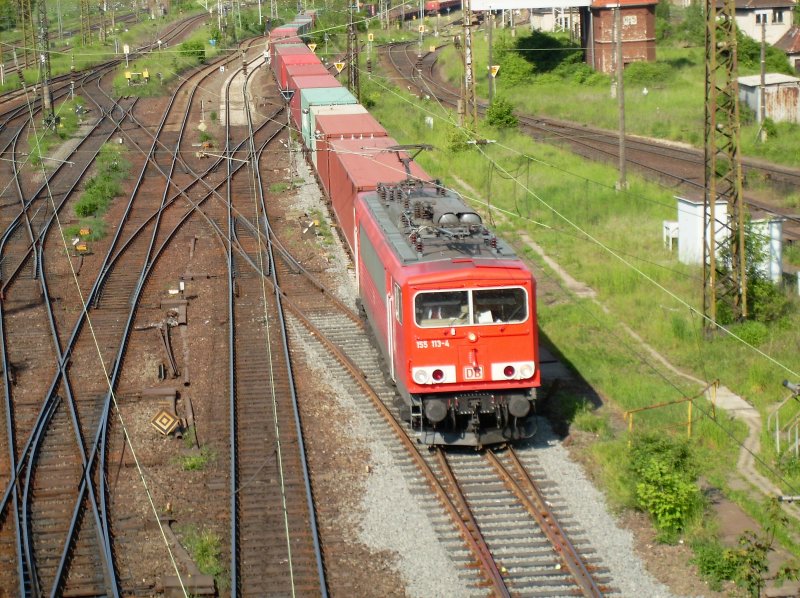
(41, 141)
(105, 185)
(69, 52)
(672, 108)
(164, 66)
(612, 242)
(205, 548)
(197, 460)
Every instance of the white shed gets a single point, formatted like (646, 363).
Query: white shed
(690, 228)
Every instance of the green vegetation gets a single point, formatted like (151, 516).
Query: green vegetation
(197, 460)
(205, 548)
(165, 65)
(662, 99)
(106, 184)
(611, 241)
(41, 141)
(500, 114)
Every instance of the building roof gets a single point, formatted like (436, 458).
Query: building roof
(623, 3)
(790, 42)
(769, 79)
(759, 4)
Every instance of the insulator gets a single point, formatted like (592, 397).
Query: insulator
(369, 65)
(382, 192)
(413, 238)
(493, 242)
(417, 209)
(419, 245)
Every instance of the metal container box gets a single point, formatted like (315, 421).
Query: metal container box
(358, 165)
(341, 126)
(323, 96)
(299, 83)
(286, 55)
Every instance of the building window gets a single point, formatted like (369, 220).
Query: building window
(761, 17)
(777, 16)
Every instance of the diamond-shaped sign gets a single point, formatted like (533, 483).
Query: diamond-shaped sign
(339, 66)
(165, 422)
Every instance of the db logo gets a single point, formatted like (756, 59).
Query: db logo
(473, 373)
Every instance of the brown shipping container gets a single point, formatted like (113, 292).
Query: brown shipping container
(301, 70)
(341, 126)
(308, 82)
(358, 165)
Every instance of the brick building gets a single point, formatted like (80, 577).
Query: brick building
(598, 33)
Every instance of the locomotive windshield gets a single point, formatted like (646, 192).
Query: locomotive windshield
(435, 309)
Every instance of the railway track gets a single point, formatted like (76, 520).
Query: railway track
(58, 517)
(679, 167)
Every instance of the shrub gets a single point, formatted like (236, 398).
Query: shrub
(457, 139)
(714, 563)
(501, 114)
(648, 73)
(753, 333)
(194, 50)
(664, 474)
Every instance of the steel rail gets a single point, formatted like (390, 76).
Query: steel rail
(286, 355)
(531, 497)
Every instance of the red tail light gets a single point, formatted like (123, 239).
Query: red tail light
(509, 371)
(437, 375)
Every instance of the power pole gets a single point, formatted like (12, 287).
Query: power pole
(623, 181)
(352, 56)
(86, 25)
(470, 105)
(44, 63)
(762, 92)
(490, 25)
(725, 278)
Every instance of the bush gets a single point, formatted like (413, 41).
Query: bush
(501, 114)
(648, 73)
(714, 563)
(457, 139)
(665, 474)
(194, 50)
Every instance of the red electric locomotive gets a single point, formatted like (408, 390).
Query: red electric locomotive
(452, 307)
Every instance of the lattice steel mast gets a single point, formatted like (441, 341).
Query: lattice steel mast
(724, 280)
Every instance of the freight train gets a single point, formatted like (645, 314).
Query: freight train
(451, 306)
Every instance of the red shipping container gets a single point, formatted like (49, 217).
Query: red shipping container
(358, 165)
(307, 82)
(287, 55)
(341, 126)
(301, 70)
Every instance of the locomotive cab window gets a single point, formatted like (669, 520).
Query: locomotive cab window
(493, 306)
(442, 308)
(437, 309)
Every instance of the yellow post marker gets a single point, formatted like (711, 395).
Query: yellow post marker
(370, 37)
(85, 232)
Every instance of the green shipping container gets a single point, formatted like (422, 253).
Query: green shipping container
(320, 96)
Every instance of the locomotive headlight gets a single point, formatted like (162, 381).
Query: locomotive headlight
(420, 376)
(472, 337)
(509, 371)
(526, 371)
